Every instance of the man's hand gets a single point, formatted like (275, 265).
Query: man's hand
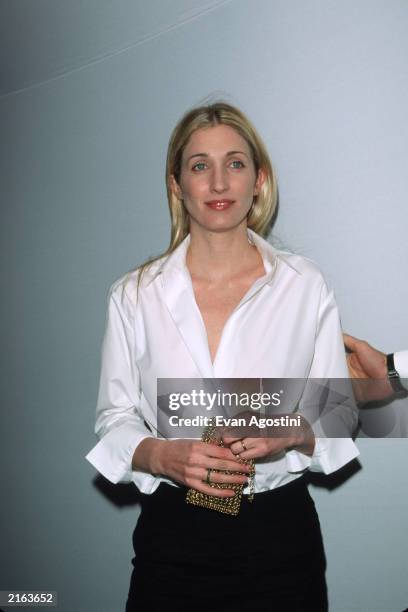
(368, 369)
(364, 361)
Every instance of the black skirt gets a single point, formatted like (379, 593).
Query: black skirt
(269, 557)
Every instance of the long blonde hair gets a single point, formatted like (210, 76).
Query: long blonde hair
(206, 116)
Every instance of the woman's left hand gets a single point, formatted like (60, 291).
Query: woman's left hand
(269, 441)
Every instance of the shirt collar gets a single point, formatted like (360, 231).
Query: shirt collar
(177, 259)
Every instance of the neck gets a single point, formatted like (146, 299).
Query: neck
(215, 256)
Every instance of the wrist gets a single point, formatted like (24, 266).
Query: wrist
(303, 439)
(391, 371)
(385, 365)
(393, 375)
(157, 457)
(148, 456)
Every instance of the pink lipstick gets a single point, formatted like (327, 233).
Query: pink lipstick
(219, 204)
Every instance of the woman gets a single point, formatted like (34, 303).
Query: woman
(223, 303)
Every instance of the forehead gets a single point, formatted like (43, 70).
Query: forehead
(216, 140)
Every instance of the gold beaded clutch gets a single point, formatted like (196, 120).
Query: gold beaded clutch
(226, 505)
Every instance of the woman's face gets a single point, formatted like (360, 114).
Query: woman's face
(218, 180)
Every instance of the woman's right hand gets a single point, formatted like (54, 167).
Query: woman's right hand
(187, 462)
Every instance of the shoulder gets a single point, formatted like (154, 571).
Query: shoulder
(307, 277)
(128, 286)
(288, 262)
(304, 266)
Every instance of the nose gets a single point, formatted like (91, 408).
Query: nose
(219, 179)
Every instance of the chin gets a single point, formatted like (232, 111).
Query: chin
(220, 226)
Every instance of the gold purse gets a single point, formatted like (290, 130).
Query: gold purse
(226, 505)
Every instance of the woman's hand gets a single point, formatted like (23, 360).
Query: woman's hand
(270, 441)
(188, 461)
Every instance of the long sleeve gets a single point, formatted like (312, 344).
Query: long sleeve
(329, 364)
(401, 363)
(119, 424)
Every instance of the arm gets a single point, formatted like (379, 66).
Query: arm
(363, 360)
(303, 450)
(119, 422)
(127, 450)
(329, 363)
(368, 368)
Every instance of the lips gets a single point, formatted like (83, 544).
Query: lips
(219, 204)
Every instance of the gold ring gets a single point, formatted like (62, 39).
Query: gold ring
(243, 445)
(208, 481)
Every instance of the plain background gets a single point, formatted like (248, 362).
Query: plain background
(90, 91)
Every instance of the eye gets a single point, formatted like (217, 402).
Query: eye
(237, 164)
(199, 166)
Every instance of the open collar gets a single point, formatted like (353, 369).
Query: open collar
(176, 261)
(178, 293)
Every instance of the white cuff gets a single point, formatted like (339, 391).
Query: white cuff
(113, 454)
(330, 454)
(401, 363)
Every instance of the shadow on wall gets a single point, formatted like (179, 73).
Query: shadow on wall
(120, 495)
(336, 480)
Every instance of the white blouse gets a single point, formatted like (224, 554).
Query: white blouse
(286, 326)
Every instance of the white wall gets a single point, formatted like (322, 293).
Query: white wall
(83, 146)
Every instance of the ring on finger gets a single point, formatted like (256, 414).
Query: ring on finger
(208, 479)
(243, 445)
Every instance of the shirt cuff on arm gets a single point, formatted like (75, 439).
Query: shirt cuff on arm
(330, 454)
(113, 454)
(401, 363)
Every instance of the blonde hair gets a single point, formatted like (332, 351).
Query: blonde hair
(206, 116)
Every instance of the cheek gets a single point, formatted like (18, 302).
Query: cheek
(193, 188)
(247, 186)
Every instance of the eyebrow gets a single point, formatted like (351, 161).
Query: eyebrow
(206, 154)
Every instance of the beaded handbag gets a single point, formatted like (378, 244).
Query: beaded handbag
(226, 505)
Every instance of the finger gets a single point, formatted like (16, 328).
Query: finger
(222, 478)
(238, 433)
(230, 439)
(232, 466)
(351, 342)
(212, 450)
(205, 488)
(239, 447)
(253, 453)
(260, 449)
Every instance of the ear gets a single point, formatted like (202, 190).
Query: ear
(175, 187)
(259, 181)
